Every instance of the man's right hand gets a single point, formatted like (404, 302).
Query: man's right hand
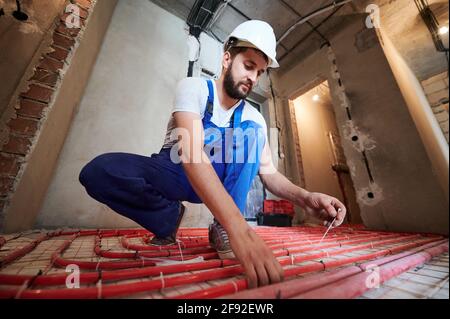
(259, 263)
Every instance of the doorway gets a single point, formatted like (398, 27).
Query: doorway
(321, 160)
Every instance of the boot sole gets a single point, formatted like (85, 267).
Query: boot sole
(162, 244)
(180, 217)
(226, 254)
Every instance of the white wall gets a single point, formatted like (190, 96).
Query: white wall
(125, 108)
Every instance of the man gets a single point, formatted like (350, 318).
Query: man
(215, 145)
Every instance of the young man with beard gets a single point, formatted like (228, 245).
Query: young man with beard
(215, 145)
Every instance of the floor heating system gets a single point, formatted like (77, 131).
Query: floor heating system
(351, 262)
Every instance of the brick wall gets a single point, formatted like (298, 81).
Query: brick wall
(21, 127)
(436, 90)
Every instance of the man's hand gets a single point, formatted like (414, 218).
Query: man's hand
(325, 207)
(258, 261)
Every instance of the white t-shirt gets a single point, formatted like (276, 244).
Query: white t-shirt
(191, 95)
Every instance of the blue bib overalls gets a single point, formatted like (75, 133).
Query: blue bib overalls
(149, 190)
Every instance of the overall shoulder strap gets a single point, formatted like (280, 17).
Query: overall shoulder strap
(237, 115)
(210, 102)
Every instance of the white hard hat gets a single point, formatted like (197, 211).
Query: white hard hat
(257, 34)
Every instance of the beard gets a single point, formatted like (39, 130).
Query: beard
(232, 88)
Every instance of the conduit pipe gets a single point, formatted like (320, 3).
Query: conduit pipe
(355, 285)
(114, 275)
(206, 256)
(22, 251)
(206, 247)
(19, 279)
(297, 286)
(125, 289)
(172, 251)
(241, 284)
(291, 240)
(58, 261)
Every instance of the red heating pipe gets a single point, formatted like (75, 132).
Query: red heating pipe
(142, 263)
(209, 254)
(105, 233)
(116, 290)
(174, 250)
(151, 254)
(124, 289)
(127, 245)
(229, 288)
(294, 287)
(285, 252)
(61, 262)
(355, 285)
(342, 239)
(181, 267)
(22, 251)
(94, 265)
(93, 277)
(58, 261)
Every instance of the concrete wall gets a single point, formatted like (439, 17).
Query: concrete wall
(125, 108)
(406, 195)
(19, 41)
(403, 194)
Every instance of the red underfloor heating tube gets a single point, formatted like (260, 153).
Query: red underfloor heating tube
(298, 249)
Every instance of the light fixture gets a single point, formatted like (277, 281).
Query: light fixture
(443, 30)
(316, 97)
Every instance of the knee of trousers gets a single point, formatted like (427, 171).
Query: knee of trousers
(93, 174)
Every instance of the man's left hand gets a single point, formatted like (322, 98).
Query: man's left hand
(325, 207)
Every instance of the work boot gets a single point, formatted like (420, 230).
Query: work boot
(172, 238)
(218, 239)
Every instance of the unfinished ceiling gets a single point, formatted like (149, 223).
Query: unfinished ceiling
(400, 18)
